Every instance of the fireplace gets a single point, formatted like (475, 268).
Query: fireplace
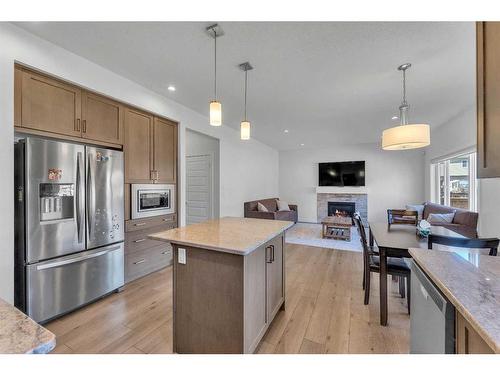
(341, 209)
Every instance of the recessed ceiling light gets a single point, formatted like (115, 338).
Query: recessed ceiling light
(302, 144)
(395, 117)
(171, 88)
(286, 130)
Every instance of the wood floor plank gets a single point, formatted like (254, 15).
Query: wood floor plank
(324, 312)
(311, 347)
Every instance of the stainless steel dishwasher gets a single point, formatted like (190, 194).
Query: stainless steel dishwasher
(432, 319)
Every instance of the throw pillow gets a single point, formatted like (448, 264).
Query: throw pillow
(416, 207)
(261, 208)
(441, 218)
(282, 206)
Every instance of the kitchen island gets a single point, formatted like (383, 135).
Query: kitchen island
(229, 283)
(471, 282)
(19, 334)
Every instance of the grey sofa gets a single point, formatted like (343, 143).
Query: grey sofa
(250, 210)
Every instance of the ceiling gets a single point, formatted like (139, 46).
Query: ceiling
(327, 83)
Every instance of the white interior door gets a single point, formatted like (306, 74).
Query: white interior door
(199, 205)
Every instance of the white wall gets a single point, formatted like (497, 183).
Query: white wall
(458, 134)
(249, 170)
(393, 178)
(201, 144)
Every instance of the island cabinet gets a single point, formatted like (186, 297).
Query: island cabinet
(48, 106)
(488, 99)
(467, 340)
(229, 283)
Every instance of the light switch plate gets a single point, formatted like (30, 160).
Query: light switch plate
(181, 255)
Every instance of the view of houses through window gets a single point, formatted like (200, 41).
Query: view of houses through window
(454, 182)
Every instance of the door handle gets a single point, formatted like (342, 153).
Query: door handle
(272, 253)
(78, 197)
(77, 259)
(140, 261)
(84, 126)
(77, 125)
(165, 252)
(140, 240)
(90, 197)
(139, 224)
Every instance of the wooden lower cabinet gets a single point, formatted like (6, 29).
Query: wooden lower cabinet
(142, 254)
(223, 302)
(468, 341)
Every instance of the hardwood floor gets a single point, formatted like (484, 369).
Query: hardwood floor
(324, 313)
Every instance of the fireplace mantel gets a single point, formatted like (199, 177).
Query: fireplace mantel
(341, 190)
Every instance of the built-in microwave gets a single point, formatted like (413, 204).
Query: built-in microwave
(152, 200)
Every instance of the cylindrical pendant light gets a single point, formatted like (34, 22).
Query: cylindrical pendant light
(215, 105)
(405, 136)
(245, 124)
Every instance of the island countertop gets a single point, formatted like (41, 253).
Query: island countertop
(233, 235)
(472, 286)
(20, 334)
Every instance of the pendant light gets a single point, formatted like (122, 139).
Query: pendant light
(215, 106)
(245, 124)
(406, 136)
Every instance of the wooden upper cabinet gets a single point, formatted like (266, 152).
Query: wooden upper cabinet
(164, 151)
(102, 119)
(488, 99)
(138, 147)
(47, 104)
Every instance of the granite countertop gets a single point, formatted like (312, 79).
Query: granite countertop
(230, 234)
(20, 334)
(472, 283)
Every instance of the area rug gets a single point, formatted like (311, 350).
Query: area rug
(310, 234)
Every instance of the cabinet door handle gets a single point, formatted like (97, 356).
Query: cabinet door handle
(165, 252)
(140, 240)
(272, 253)
(140, 261)
(77, 125)
(139, 224)
(84, 126)
(268, 259)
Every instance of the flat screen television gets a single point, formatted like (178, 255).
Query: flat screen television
(346, 173)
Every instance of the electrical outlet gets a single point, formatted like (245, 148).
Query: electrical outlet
(181, 255)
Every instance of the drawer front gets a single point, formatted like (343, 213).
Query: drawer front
(146, 261)
(150, 222)
(138, 240)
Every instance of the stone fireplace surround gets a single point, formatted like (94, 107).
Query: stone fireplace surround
(359, 199)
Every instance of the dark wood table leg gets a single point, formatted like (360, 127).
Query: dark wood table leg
(370, 237)
(383, 286)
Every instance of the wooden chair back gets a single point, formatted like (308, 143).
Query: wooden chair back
(471, 243)
(362, 239)
(399, 216)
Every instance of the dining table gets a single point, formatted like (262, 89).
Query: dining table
(395, 240)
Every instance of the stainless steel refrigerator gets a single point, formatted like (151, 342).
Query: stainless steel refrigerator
(69, 215)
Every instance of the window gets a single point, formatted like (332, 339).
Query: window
(454, 181)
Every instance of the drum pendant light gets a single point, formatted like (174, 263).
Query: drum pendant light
(245, 124)
(215, 106)
(405, 136)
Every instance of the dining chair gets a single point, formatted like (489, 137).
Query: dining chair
(398, 216)
(371, 263)
(471, 243)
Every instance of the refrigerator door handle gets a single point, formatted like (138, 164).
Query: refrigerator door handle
(77, 259)
(90, 196)
(79, 194)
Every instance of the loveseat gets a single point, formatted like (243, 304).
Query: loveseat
(251, 210)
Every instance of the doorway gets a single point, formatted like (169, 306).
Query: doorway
(202, 177)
